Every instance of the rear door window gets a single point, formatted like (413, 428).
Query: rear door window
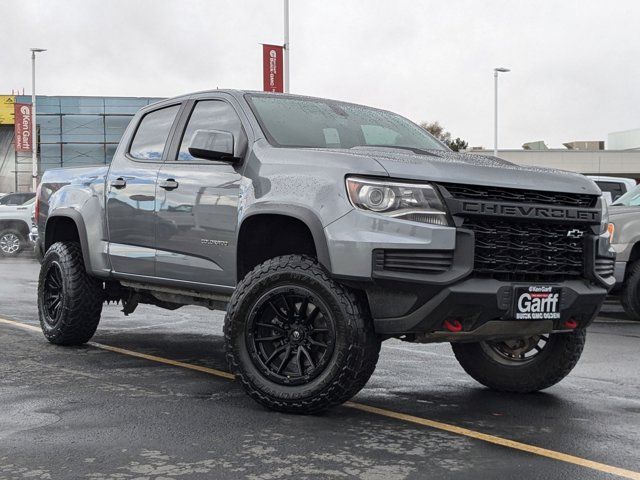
(153, 131)
(614, 188)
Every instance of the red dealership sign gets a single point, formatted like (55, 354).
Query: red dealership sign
(23, 127)
(272, 68)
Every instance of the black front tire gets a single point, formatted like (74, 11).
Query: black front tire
(630, 295)
(339, 369)
(498, 371)
(69, 300)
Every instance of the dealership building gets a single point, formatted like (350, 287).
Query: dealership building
(615, 163)
(71, 131)
(76, 131)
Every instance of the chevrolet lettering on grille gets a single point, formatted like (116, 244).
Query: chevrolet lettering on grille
(529, 211)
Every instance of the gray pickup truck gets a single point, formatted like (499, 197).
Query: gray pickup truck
(624, 229)
(324, 228)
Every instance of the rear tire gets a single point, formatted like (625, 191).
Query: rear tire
(502, 366)
(296, 340)
(630, 295)
(11, 242)
(69, 300)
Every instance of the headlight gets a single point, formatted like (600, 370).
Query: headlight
(414, 202)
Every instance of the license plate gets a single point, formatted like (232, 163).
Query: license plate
(537, 302)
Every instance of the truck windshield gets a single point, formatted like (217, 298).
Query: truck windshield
(316, 123)
(629, 199)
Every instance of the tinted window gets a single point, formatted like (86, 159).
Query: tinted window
(317, 123)
(211, 115)
(614, 188)
(16, 198)
(153, 131)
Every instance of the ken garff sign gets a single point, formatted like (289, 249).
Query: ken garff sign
(272, 68)
(22, 112)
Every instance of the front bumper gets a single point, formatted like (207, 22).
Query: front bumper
(403, 303)
(485, 309)
(620, 271)
(623, 252)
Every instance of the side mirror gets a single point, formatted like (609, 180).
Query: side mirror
(212, 145)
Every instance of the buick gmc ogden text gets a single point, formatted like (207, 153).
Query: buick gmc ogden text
(325, 228)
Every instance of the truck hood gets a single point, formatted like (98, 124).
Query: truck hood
(447, 166)
(618, 210)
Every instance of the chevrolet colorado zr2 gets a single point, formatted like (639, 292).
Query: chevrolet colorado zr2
(324, 228)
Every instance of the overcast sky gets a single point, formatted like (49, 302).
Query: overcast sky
(575, 64)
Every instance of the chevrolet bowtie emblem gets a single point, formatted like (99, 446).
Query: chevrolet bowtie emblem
(575, 233)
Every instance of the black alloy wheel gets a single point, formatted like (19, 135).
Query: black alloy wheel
(291, 335)
(53, 294)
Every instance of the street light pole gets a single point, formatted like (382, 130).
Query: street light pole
(287, 46)
(34, 139)
(495, 107)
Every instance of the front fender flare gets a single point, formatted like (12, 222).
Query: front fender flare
(299, 212)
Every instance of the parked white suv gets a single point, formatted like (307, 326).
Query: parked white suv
(15, 226)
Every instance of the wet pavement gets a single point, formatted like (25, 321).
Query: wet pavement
(89, 413)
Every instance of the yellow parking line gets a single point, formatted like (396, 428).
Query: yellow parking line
(503, 442)
(131, 353)
(26, 326)
(166, 361)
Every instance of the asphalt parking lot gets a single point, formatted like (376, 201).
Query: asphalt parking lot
(104, 412)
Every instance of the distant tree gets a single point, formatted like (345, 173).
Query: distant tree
(438, 131)
(458, 144)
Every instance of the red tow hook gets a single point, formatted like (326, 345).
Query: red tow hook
(571, 323)
(452, 325)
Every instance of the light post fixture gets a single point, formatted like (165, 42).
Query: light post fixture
(287, 46)
(34, 140)
(495, 104)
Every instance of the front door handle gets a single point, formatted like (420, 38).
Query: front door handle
(119, 183)
(169, 184)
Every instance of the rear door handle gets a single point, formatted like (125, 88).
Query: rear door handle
(169, 184)
(119, 183)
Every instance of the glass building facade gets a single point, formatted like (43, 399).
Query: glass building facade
(77, 131)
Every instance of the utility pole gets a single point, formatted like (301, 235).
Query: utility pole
(287, 47)
(495, 105)
(34, 138)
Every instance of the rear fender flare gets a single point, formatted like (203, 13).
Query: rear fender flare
(76, 217)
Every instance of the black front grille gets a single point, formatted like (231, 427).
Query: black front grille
(527, 251)
(514, 195)
(413, 261)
